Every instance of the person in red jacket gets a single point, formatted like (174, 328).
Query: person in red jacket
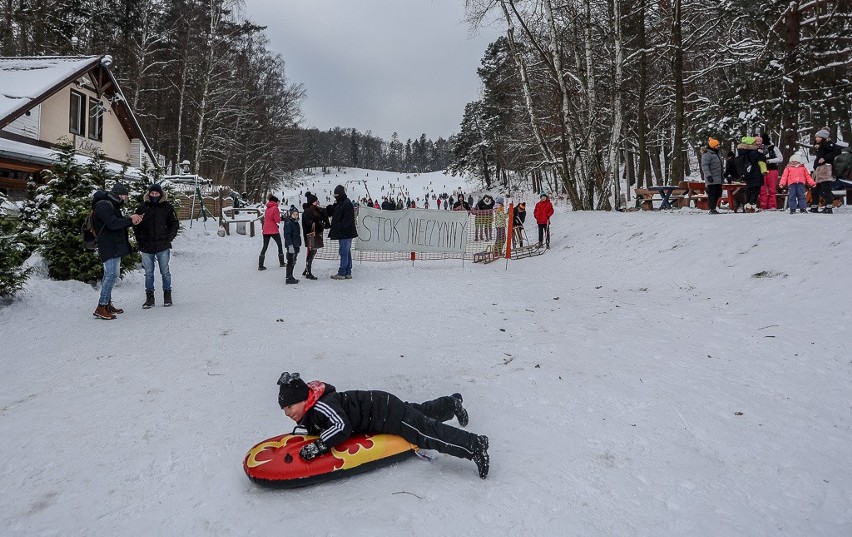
(542, 213)
(271, 220)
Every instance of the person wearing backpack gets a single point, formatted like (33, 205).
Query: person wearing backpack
(155, 234)
(826, 152)
(751, 165)
(113, 244)
(769, 191)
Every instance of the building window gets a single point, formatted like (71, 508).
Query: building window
(96, 119)
(77, 119)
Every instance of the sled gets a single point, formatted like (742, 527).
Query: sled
(276, 462)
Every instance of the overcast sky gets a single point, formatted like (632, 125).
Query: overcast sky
(382, 65)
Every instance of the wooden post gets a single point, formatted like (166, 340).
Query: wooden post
(509, 232)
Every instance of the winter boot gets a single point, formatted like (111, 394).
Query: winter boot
(814, 209)
(167, 298)
(260, 262)
(112, 309)
(103, 313)
(480, 455)
(827, 210)
(149, 300)
(291, 264)
(459, 411)
(281, 262)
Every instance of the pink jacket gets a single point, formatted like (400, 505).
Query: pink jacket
(271, 218)
(796, 174)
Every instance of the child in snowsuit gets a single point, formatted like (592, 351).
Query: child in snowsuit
(796, 177)
(292, 241)
(320, 409)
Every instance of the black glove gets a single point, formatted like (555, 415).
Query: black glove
(312, 450)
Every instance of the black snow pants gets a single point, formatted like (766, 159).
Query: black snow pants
(422, 425)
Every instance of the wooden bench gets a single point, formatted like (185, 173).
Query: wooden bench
(696, 193)
(645, 198)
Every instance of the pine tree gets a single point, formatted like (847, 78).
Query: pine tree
(69, 190)
(12, 255)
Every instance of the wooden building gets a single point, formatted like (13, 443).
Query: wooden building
(48, 100)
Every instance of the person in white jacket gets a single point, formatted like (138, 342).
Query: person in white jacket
(769, 191)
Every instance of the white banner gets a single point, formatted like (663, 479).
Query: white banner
(412, 230)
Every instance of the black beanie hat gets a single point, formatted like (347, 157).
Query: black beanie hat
(339, 190)
(155, 187)
(291, 392)
(119, 189)
(310, 197)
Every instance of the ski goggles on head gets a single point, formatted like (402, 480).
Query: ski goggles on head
(286, 378)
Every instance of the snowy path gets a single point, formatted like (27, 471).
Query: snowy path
(608, 373)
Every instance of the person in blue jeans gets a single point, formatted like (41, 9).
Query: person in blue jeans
(113, 242)
(343, 230)
(155, 234)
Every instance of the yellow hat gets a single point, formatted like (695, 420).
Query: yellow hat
(712, 143)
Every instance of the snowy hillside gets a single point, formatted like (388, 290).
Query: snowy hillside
(653, 374)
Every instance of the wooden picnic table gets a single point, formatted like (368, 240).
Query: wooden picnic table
(665, 192)
(731, 190)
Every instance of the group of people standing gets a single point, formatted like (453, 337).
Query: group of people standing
(338, 217)
(155, 225)
(757, 161)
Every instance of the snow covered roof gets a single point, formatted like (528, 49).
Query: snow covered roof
(27, 80)
(46, 156)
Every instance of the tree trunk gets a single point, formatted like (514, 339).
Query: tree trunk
(677, 76)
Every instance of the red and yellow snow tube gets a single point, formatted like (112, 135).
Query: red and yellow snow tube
(276, 461)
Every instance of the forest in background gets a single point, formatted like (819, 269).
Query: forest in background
(594, 96)
(581, 97)
(205, 87)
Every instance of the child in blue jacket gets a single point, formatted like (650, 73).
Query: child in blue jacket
(292, 242)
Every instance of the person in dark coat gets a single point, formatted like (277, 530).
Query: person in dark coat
(314, 221)
(755, 169)
(292, 242)
(518, 218)
(461, 205)
(155, 234)
(343, 230)
(826, 152)
(334, 416)
(113, 242)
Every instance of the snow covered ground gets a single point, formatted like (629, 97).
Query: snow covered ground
(665, 373)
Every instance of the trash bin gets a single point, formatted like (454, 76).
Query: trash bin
(241, 228)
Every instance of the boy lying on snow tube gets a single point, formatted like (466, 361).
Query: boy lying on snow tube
(335, 416)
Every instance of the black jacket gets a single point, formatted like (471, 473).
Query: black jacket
(158, 228)
(484, 205)
(335, 416)
(827, 151)
(314, 219)
(291, 233)
(520, 217)
(342, 219)
(111, 226)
